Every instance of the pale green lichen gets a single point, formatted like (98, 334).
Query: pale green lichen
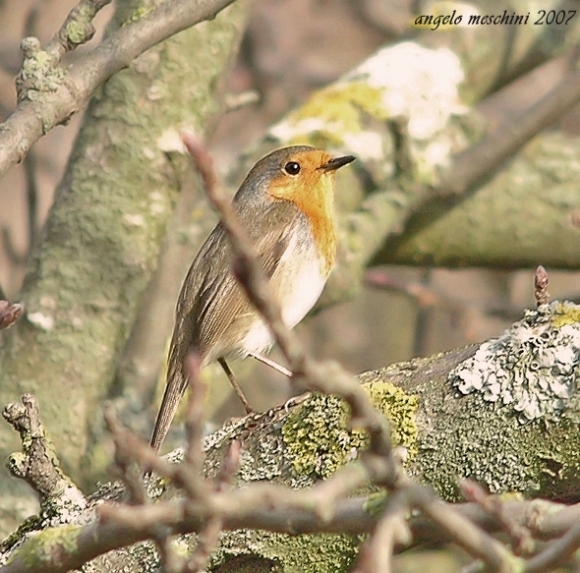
(76, 32)
(343, 104)
(316, 436)
(321, 553)
(565, 313)
(315, 553)
(399, 408)
(31, 524)
(38, 74)
(42, 546)
(318, 440)
(49, 528)
(138, 14)
(332, 113)
(534, 366)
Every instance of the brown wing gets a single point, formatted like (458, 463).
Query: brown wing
(211, 297)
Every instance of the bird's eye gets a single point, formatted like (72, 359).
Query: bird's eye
(292, 168)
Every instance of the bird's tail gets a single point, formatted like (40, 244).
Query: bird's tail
(174, 390)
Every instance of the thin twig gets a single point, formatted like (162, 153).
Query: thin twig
(556, 553)
(80, 20)
(125, 466)
(9, 313)
(541, 281)
(207, 542)
(464, 533)
(392, 530)
(10, 249)
(519, 535)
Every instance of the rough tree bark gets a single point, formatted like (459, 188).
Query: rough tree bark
(449, 426)
(104, 233)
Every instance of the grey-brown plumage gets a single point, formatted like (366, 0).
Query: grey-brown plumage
(213, 315)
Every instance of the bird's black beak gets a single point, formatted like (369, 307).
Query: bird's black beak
(336, 163)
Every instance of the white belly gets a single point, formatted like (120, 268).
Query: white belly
(298, 292)
(305, 289)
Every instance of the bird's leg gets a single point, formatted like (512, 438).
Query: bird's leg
(278, 367)
(283, 370)
(232, 378)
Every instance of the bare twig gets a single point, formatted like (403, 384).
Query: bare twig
(392, 530)
(79, 20)
(127, 462)
(207, 542)
(38, 464)
(9, 313)
(210, 535)
(188, 475)
(541, 280)
(556, 553)
(40, 70)
(464, 533)
(519, 535)
(10, 248)
(427, 296)
(124, 525)
(125, 458)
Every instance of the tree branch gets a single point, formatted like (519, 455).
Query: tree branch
(65, 97)
(9, 313)
(484, 158)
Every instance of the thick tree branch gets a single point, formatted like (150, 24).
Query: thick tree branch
(38, 465)
(484, 158)
(32, 119)
(258, 507)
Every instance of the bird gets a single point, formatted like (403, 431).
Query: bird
(286, 204)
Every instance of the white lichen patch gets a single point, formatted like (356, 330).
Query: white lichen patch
(366, 145)
(416, 82)
(65, 507)
(42, 315)
(407, 81)
(157, 203)
(170, 141)
(43, 321)
(534, 366)
(134, 220)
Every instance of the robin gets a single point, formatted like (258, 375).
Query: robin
(285, 204)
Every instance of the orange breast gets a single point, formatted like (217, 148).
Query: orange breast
(313, 195)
